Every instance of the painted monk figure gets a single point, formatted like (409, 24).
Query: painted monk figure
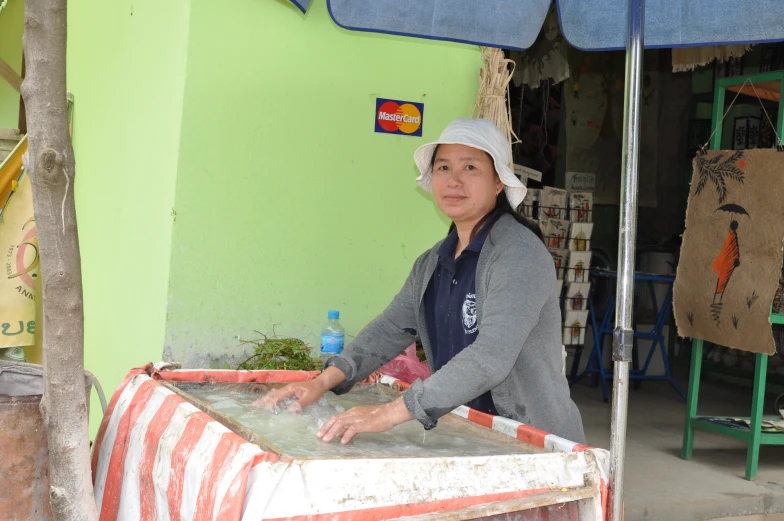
(726, 261)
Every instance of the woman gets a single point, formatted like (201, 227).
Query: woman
(482, 301)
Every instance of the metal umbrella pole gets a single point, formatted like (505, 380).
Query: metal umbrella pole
(623, 333)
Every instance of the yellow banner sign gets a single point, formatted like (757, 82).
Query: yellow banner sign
(19, 248)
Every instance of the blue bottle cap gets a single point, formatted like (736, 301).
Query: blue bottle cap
(333, 315)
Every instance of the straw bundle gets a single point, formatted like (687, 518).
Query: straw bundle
(492, 100)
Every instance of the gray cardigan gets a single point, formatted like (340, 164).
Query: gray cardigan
(517, 355)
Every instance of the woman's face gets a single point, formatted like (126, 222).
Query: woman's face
(465, 184)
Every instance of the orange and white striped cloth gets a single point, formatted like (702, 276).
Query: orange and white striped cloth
(157, 457)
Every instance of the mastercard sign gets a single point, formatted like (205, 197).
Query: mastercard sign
(399, 117)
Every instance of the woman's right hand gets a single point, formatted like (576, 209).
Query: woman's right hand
(305, 393)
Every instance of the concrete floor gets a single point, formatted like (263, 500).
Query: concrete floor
(659, 485)
(761, 517)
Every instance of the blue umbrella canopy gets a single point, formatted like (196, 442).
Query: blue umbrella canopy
(590, 25)
(595, 25)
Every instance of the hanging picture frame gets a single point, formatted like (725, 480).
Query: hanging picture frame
(740, 133)
(767, 136)
(753, 132)
(746, 133)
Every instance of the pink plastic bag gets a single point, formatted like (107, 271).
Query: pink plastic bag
(406, 367)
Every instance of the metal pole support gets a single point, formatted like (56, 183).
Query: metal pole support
(623, 335)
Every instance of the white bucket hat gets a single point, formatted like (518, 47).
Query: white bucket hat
(477, 133)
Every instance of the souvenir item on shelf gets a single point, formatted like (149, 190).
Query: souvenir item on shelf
(578, 266)
(574, 327)
(580, 236)
(581, 207)
(553, 203)
(577, 296)
(560, 257)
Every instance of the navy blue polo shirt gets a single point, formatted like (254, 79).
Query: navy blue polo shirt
(450, 305)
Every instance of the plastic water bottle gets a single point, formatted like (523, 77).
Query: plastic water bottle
(332, 336)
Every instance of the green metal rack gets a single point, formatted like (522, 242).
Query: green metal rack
(769, 86)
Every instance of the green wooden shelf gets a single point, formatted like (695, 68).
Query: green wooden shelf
(704, 424)
(707, 98)
(753, 437)
(772, 83)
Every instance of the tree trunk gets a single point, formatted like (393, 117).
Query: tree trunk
(50, 164)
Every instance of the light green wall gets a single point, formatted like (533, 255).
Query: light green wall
(11, 27)
(287, 203)
(126, 69)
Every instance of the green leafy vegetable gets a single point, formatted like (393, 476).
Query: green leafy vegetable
(289, 354)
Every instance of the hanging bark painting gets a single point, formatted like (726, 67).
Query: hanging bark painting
(732, 249)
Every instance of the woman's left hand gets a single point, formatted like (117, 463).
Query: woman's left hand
(377, 418)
